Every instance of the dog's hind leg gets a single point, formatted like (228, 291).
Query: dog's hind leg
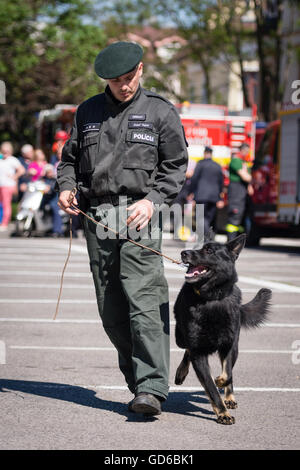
(183, 368)
(202, 369)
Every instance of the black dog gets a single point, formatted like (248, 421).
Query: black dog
(209, 315)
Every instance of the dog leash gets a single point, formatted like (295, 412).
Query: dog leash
(73, 206)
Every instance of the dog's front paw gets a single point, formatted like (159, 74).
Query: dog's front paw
(225, 418)
(231, 404)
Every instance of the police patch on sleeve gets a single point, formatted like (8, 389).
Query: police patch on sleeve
(142, 136)
(91, 127)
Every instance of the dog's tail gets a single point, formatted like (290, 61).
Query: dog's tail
(255, 312)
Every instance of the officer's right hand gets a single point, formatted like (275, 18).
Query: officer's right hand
(64, 204)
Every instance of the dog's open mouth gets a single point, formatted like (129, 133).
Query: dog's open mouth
(196, 271)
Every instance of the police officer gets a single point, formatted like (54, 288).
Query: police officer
(126, 155)
(207, 186)
(239, 187)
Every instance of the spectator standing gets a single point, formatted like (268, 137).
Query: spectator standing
(76, 224)
(207, 186)
(27, 155)
(60, 139)
(10, 172)
(51, 197)
(36, 167)
(239, 187)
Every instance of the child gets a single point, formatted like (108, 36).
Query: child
(36, 167)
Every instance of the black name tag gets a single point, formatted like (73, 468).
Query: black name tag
(143, 137)
(137, 117)
(140, 125)
(91, 127)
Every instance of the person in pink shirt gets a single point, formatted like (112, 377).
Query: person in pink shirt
(36, 167)
(10, 171)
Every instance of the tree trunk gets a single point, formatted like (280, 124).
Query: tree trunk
(264, 72)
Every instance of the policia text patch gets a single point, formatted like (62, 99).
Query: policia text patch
(143, 136)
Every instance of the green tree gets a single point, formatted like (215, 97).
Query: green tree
(216, 31)
(47, 50)
(212, 29)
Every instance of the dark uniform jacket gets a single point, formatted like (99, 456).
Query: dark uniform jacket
(125, 148)
(207, 181)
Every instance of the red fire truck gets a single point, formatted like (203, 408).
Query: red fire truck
(276, 180)
(224, 131)
(204, 125)
(214, 126)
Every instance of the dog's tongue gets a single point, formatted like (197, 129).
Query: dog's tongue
(194, 271)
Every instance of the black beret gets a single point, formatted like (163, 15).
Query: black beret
(117, 59)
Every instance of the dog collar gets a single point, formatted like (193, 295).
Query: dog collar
(197, 291)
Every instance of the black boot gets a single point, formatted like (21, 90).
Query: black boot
(145, 403)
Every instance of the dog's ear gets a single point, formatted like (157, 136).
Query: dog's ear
(236, 245)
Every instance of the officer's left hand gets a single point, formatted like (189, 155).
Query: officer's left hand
(142, 212)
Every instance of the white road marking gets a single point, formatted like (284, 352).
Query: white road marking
(280, 278)
(76, 249)
(63, 348)
(196, 389)
(2, 352)
(282, 325)
(48, 320)
(74, 320)
(42, 260)
(28, 285)
(123, 388)
(45, 273)
(283, 262)
(42, 263)
(280, 241)
(286, 306)
(87, 286)
(13, 259)
(47, 301)
(270, 325)
(111, 349)
(35, 250)
(85, 267)
(244, 290)
(276, 286)
(269, 284)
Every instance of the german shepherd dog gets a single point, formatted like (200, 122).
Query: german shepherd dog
(209, 315)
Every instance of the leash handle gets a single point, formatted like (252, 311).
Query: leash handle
(72, 195)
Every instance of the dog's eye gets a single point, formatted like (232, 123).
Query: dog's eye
(209, 250)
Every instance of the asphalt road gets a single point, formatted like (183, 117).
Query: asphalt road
(60, 386)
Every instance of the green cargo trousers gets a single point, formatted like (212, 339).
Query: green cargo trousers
(132, 297)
